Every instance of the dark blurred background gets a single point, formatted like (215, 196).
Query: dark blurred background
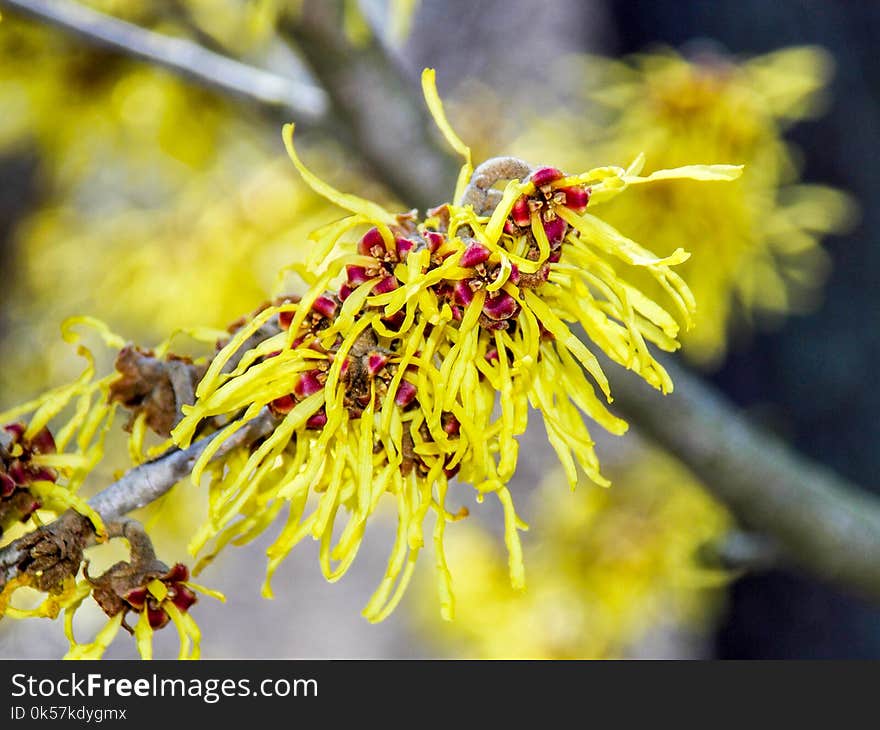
(813, 378)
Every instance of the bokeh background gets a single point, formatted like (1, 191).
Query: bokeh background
(152, 203)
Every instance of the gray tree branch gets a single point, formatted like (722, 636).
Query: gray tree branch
(367, 99)
(305, 101)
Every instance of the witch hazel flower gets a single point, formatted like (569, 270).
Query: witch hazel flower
(499, 307)
(145, 587)
(550, 193)
(676, 108)
(416, 355)
(48, 450)
(50, 445)
(19, 468)
(380, 267)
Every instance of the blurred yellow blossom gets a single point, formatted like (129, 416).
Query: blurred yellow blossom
(415, 355)
(755, 244)
(162, 205)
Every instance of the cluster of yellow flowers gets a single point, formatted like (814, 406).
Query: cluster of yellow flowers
(609, 569)
(42, 470)
(386, 373)
(418, 345)
(755, 248)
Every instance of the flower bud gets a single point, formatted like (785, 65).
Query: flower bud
(576, 197)
(136, 597)
(521, 213)
(183, 598)
(284, 319)
(545, 175)
(404, 246)
(395, 320)
(501, 307)
(375, 362)
(16, 429)
(356, 275)
(434, 240)
(462, 294)
(451, 424)
(319, 420)
(157, 617)
(179, 572)
(308, 384)
(475, 253)
(43, 442)
(555, 229)
(324, 305)
(283, 405)
(406, 393)
(370, 241)
(389, 283)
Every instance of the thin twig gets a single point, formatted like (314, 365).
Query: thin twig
(147, 482)
(144, 484)
(480, 194)
(141, 550)
(307, 102)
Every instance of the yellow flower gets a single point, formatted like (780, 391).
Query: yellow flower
(607, 567)
(385, 374)
(42, 468)
(67, 594)
(157, 594)
(755, 244)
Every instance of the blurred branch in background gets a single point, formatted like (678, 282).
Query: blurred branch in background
(376, 104)
(13, 198)
(369, 96)
(820, 521)
(307, 102)
(745, 551)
